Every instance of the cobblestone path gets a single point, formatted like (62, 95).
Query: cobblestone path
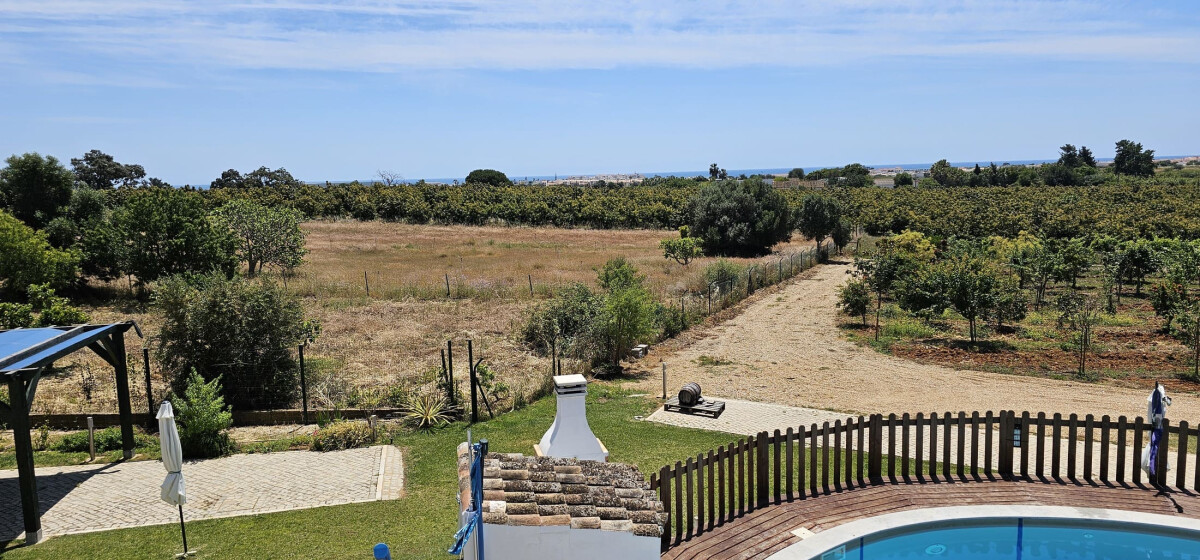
(80, 499)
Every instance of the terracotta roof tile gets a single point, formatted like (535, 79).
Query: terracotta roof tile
(544, 491)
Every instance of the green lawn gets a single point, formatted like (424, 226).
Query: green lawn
(420, 524)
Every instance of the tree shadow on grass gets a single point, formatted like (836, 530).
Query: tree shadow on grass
(977, 347)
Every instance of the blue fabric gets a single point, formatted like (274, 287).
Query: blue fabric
(16, 340)
(1156, 407)
(475, 513)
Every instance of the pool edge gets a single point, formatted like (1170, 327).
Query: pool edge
(819, 543)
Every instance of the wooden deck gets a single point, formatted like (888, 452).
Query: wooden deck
(765, 531)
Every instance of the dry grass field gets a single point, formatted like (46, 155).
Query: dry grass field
(392, 338)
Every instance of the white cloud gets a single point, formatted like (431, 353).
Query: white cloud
(379, 36)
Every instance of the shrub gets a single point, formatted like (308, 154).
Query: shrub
(203, 419)
(54, 310)
(242, 331)
(855, 299)
(15, 315)
(26, 258)
(744, 218)
(723, 274)
(426, 410)
(108, 439)
(562, 319)
(342, 435)
(682, 249)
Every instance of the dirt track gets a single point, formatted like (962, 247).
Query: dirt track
(785, 348)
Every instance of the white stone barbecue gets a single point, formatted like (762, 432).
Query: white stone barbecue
(570, 435)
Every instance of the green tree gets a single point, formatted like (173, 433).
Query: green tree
(1189, 333)
(947, 175)
(266, 235)
(1069, 156)
(488, 177)
(738, 218)
(1080, 313)
(204, 420)
(627, 312)
(34, 188)
(26, 258)
(796, 173)
(242, 331)
(1086, 158)
(818, 217)
(682, 249)
(972, 287)
(168, 231)
(99, 170)
(842, 234)
(855, 299)
(716, 173)
(1075, 259)
(1131, 159)
(903, 179)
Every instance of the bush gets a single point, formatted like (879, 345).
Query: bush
(242, 331)
(26, 258)
(426, 410)
(682, 249)
(108, 439)
(342, 435)
(168, 231)
(562, 319)
(855, 299)
(203, 418)
(742, 218)
(53, 310)
(723, 274)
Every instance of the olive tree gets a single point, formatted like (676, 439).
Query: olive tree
(739, 218)
(266, 235)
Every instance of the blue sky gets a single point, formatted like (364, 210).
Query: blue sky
(338, 89)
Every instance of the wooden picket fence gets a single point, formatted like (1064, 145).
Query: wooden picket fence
(719, 486)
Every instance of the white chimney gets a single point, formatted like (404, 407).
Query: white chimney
(570, 435)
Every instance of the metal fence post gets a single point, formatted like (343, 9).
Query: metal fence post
(303, 386)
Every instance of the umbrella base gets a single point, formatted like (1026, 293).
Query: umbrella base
(186, 554)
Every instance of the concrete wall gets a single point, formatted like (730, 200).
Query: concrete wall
(507, 542)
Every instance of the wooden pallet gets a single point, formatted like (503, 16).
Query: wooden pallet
(704, 407)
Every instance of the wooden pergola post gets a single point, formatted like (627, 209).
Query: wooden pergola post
(26, 481)
(107, 341)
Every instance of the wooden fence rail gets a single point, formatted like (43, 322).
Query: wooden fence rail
(716, 487)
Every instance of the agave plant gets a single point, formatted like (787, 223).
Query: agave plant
(426, 410)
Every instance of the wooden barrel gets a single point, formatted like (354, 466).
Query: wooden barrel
(689, 395)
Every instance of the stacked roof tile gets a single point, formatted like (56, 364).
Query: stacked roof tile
(544, 491)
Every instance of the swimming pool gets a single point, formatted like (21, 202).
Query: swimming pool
(1004, 533)
(1024, 539)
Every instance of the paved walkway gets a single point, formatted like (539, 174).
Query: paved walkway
(80, 499)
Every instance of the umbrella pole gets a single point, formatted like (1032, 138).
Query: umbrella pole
(183, 530)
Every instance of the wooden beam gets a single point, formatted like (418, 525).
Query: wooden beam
(116, 345)
(26, 480)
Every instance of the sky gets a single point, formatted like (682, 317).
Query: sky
(341, 89)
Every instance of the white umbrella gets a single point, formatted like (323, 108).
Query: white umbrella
(173, 491)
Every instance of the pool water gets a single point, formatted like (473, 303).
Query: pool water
(1024, 539)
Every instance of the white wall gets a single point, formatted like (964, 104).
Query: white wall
(507, 542)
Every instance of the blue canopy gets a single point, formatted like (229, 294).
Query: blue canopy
(22, 349)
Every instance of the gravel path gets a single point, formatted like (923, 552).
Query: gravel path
(785, 348)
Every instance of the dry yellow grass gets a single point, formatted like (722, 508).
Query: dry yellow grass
(394, 337)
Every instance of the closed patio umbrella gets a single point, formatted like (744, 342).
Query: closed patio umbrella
(1156, 411)
(173, 491)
